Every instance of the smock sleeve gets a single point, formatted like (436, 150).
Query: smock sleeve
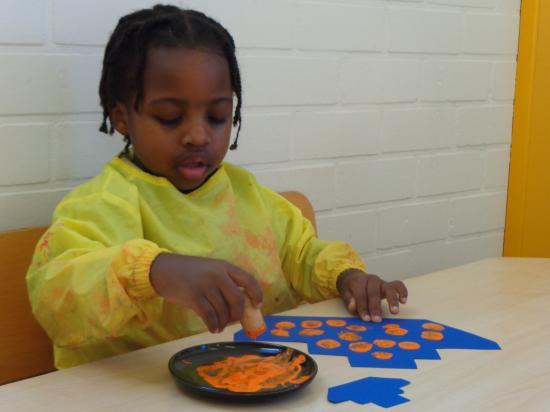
(89, 277)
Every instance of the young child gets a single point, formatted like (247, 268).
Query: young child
(168, 239)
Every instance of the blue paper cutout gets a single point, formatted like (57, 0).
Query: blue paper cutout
(384, 392)
(401, 358)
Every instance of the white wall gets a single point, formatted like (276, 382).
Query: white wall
(394, 117)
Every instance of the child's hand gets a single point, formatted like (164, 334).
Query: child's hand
(362, 294)
(210, 287)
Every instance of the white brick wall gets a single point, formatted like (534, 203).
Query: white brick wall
(393, 117)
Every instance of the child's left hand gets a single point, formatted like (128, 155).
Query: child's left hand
(362, 294)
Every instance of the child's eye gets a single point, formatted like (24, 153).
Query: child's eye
(169, 122)
(216, 120)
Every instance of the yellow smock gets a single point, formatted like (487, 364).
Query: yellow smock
(89, 278)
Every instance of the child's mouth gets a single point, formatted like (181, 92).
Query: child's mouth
(193, 171)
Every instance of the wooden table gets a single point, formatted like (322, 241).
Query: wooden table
(504, 299)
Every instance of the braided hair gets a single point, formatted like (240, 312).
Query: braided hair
(160, 26)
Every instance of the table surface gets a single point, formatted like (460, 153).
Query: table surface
(503, 299)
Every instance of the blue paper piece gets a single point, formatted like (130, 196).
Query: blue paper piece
(400, 358)
(384, 392)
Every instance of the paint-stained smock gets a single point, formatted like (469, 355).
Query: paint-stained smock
(89, 278)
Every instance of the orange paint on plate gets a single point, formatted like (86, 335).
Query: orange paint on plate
(391, 326)
(382, 355)
(336, 322)
(279, 332)
(311, 332)
(360, 346)
(285, 325)
(433, 326)
(431, 335)
(328, 343)
(357, 328)
(409, 345)
(396, 331)
(349, 336)
(384, 343)
(310, 324)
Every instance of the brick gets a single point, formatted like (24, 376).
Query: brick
(414, 30)
(390, 266)
(417, 129)
(456, 80)
(509, 5)
(24, 157)
(460, 252)
(49, 83)
(498, 164)
(490, 34)
(339, 27)
(82, 150)
(504, 80)
(484, 125)
(358, 229)
(489, 4)
(449, 173)
(289, 80)
(23, 21)
(335, 134)
(477, 213)
(316, 182)
(374, 181)
(264, 138)
(409, 224)
(366, 80)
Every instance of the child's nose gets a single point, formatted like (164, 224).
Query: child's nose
(196, 135)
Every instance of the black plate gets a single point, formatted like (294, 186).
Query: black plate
(183, 366)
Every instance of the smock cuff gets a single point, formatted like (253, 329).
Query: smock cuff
(141, 287)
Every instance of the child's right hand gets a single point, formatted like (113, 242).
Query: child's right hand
(210, 287)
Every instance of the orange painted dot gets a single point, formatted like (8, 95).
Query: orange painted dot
(382, 355)
(336, 322)
(396, 331)
(328, 343)
(357, 328)
(311, 332)
(391, 326)
(409, 345)
(279, 332)
(384, 343)
(349, 336)
(285, 325)
(433, 326)
(360, 346)
(309, 324)
(431, 335)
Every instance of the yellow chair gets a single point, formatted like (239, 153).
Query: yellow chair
(25, 350)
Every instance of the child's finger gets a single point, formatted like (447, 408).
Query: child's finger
(208, 315)
(235, 300)
(393, 299)
(220, 306)
(349, 301)
(401, 290)
(374, 300)
(359, 293)
(248, 282)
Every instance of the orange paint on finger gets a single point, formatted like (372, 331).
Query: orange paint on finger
(336, 322)
(431, 335)
(382, 355)
(311, 332)
(433, 326)
(384, 343)
(310, 324)
(285, 325)
(279, 332)
(396, 331)
(357, 328)
(328, 343)
(409, 345)
(360, 346)
(349, 336)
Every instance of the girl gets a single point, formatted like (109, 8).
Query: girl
(168, 239)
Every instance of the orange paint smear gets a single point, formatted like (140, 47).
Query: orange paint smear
(336, 322)
(310, 324)
(253, 373)
(254, 333)
(360, 346)
(431, 335)
(311, 332)
(384, 343)
(328, 343)
(382, 355)
(279, 332)
(349, 336)
(433, 326)
(409, 345)
(285, 325)
(357, 328)
(396, 331)
(391, 326)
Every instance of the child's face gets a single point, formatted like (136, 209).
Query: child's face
(183, 125)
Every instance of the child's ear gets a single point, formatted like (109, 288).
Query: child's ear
(119, 119)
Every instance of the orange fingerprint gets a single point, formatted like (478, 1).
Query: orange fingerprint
(396, 331)
(391, 326)
(409, 345)
(433, 326)
(357, 328)
(360, 346)
(311, 332)
(382, 355)
(336, 322)
(384, 343)
(279, 332)
(285, 325)
(431, 335)
(252, 373)
(349, 336)
(328, 343)
(310, 324)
